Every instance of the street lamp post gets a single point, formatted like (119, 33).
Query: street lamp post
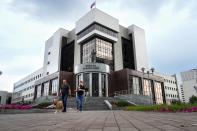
(152, 70)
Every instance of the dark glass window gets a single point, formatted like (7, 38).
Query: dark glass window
(103, 85)
(103, 49)
(67, 56)
(103, 52)
(95, 84)
(128, 53)
(87, 50)
(86, 80)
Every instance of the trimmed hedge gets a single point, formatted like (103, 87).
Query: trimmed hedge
(122, 103)
(43, 105)
(165, 108)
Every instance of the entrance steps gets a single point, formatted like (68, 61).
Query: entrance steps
(90, 103)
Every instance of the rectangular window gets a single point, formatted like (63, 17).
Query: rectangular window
(97, 50)
(46, 89)
(147, 88)
(158, 93)
(134, 85)
(38, 91)
(54, 85)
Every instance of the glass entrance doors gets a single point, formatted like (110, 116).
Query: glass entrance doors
(95, 84)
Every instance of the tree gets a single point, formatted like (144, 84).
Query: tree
(193, 99)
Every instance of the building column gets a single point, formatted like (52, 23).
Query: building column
(142, 85)
(50, 87)
(106, 85)
(90, 84)
(81, 79)
(76, 76)
(42, 90)
(163, 92)
(100, 88)
(58, 86)
(35, 92)
(153, 91)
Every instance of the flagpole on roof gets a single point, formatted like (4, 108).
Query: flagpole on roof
(93, 5)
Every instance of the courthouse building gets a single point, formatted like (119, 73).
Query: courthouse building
(105, 55)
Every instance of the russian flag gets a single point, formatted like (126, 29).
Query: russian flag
(93, 4)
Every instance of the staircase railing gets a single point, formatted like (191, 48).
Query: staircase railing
(123, 92)
(137, 99)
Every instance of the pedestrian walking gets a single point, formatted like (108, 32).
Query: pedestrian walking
(80, 95)
(65, 91)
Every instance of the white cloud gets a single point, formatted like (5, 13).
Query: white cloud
(22, 45)
(169, 26)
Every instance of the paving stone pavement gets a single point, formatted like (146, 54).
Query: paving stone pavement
(99, 121)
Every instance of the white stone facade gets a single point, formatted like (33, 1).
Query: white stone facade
(189, 83)
(171, 89)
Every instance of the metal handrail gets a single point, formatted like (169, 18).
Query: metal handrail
(125, 92)
(122, 92)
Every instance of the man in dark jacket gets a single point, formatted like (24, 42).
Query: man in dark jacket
(65, 91)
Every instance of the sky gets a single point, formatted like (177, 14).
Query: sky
(25, 25)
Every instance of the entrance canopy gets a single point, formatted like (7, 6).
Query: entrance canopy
(95, 78)
(92, 67)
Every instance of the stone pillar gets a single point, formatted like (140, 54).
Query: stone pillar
(142, 85)
(76, 84)
(81, 77)
(50, 87)
(58, 86)
(106, 84)
(100, 89)
(90, 84)
(153, 91)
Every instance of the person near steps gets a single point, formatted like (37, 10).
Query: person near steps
(65, 92)
(80, 95)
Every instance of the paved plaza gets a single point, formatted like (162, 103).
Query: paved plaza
(99, 121)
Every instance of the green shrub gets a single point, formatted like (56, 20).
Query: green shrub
(178, 102)
(43, 105)
(163, 107)
(193, 99)
(122, 103)
(142, 108)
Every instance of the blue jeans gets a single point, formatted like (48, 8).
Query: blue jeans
(64, 100)
(79, 102)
